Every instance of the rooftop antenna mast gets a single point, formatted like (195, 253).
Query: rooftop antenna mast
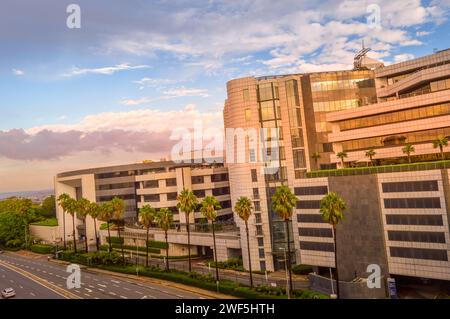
(357, 61)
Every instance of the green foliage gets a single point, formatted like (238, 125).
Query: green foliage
(48, 207)
(243, 208)
(232, 263)
(104, 226)
(42, 249)
(284, 202)
(332, 208)
(94, 258)
(115, 240)
(157, 244)
(302, 269)
(12, 229)
(209, 208)
(50, 222)
(132, 248)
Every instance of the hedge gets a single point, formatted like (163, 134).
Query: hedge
(193, 279)
(115, 240)
(50, 222)
(132, 248)
(42, 249)
(157, 244)
(302, 269)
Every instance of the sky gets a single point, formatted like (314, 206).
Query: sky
(113, 90)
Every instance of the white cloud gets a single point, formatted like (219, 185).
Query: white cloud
(149, 82)
(18, 72)
(403, 57)
(148, 120)
(168, 94)
(104, 70)
(182, 92)
(422, 33)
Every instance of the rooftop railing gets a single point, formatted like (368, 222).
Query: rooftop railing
(380, 169)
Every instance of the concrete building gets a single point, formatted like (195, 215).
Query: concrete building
(326, 113)
(155, 183)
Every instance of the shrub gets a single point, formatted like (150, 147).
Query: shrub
(115, 240)
(157, 244)
(50, 222)
(132, 248)
(42, 249)
(302, 269)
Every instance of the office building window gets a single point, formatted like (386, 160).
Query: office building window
(327, 147)
(311, 190)
(309, 218)
(419, 253)
(260, 241)
(219, 177)
(299, 158)
(248, 114)
(245, 95)
(417, 236)
(199, 193)
(255, 193)
(172, 196)
(221, 191)
(258, 219)
(254, 175)
(315, 246)
(262, 265)
(429, 220)
(197, 179)
(259, 230)
(428, 202)
(299, 174)
(308, 204)
(151, 198)
(225, 204)
(261, 253)
(151, 184)
(315, 232)
(416, 186)
(257, 206)
(171, 182)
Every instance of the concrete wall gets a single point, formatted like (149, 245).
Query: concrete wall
(47, 234)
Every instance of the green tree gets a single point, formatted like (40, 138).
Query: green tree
(107, 215)
(441, 142)
(12, 227)
(118, 208)
(341, 156)
(332, 209)
(82, 208)
(408, 149)
(316, 157)
(187, 203)
(164, 218)
(370, 153)
(93, 210)
(69, 205)
(209, 208)
(243, 209)
(283, 203)
(49, 207)
(147, 215)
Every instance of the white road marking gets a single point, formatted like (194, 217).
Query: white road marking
(112, 293)
(126, 288)
(104, 286)
(20, 286)
(31, 293)
(88, 290)
(87, 295)
(117, 286)
(115, 281)
(123, 297)
(138, 292)
(101, 289)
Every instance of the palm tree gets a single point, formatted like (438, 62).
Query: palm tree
(370, 153)
(69, 205)
(93, 210)
(316, 157)
(106, 214)
(408, 149)
(342, 155)
(164, 218)
(147, 215)
(209, 208)
(62, 201)
(283, 203)
(187, 202)
(118, 208)
(82, 212)
(331, 208)
(441, 142)
(243, 209)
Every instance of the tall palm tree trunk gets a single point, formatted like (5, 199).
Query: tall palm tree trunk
(121, 243)
(167, 250)
(215, 251)
(85, 236)
(109, 237)
(64, 230)
(95, 232)
(409, 158)
(146, 245)
(289, 254)
(249, 258)
(336, 261)
(442, 151)
(189, 241)
(73, 233)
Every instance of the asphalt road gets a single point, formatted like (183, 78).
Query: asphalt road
(93, 285)
(25, 287)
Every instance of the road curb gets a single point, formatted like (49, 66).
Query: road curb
(171, 284)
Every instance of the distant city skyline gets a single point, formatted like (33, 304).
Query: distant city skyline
(111, 92)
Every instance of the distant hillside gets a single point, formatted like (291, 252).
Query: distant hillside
(34, 195)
